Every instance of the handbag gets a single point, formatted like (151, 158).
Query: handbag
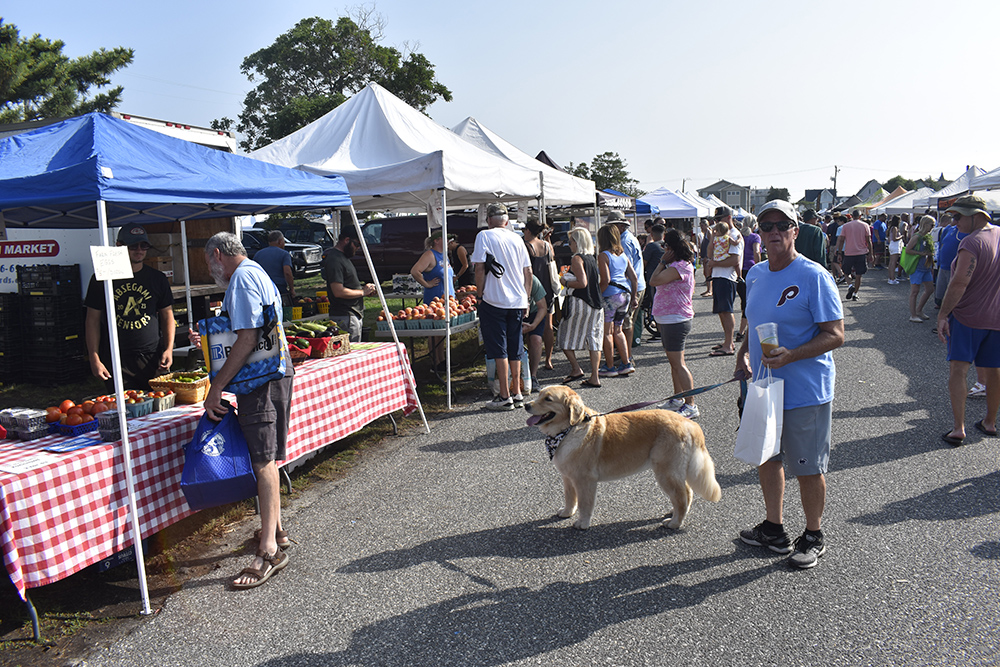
(217, 469)
(759, 437)
(908, 262)
(267, 362)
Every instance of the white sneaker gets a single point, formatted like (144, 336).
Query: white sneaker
(978, 391)
(500, 404)
(518, 400)
(690, 411)
(673, 404)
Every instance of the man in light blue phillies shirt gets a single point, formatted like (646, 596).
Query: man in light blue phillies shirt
(277, 262)
(801, 297)
(630, 244)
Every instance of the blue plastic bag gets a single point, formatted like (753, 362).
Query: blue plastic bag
(217, 469)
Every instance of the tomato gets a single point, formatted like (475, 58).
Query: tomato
(62, 418)
(99, 408)
(87, 418)
(88, 407)
(74, 420)
(75, 410)
(66, 405)
(52, 415)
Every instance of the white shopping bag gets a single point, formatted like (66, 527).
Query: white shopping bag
(759, 437)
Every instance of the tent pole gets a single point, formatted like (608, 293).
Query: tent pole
(407, 372)
(541, 199)
(448, 286)
(116, 365)
(187, 276)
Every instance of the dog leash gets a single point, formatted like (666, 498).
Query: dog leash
(683, 394)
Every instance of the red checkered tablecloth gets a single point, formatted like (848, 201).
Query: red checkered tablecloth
(72, 510)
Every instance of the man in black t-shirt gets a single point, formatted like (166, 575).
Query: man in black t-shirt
(346, 293)
(144, 314)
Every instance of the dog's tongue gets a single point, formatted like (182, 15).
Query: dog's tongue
(534, 419)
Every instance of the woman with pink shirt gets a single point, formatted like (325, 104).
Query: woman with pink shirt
(673, 312)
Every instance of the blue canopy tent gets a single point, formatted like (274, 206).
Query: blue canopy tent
(98, 171)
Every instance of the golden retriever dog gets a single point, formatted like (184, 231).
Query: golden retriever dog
(588, 448)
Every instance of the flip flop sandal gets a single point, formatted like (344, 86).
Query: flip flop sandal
(721, 353)
(282, 538)
(588, 383)
(952, 440)
(573, 378)
(272, 563)
(982, 429)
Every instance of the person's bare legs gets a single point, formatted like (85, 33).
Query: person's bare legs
(924, 298)
(681, 376)
(772, 484)
(269, 497)
(812, 489)
(503, 374)
(574, 365)
(595, 367)
(609, 345)
(549, 341)
(957, 390)
(914, 290)
(992, 397)
(728, 324)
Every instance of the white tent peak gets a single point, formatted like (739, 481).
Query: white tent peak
(558, 187)
(394, 157)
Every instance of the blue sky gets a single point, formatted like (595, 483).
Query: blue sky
(762, 94)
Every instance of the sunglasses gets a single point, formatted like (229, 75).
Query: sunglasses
(782, 225)
(140, 246)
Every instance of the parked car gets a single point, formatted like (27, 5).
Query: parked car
(307, 258)
(396, 244)
(300, 230)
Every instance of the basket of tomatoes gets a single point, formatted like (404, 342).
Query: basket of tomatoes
(71, 419)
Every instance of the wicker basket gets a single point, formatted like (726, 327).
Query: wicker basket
(187, 392)
(333, 346)
(297, 354)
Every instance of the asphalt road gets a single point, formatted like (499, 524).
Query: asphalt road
(442, 549)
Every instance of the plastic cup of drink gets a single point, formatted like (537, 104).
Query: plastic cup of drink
(768, 335)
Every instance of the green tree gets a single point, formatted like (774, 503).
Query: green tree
(37, 81)
(778, 193)
(609, 172)
(314, 67)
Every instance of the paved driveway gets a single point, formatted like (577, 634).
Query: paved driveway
(442, 549)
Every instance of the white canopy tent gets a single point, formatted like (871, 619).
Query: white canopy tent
(988, 181)
(673, 204)
(393, 157)
(903, 203)
(558, 187)
(705, 208)
(958, 187)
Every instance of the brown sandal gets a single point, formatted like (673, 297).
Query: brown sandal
(272, 563)
(281, 536)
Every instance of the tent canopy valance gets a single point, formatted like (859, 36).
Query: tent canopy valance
(53, 177)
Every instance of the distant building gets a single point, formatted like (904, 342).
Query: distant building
(869, 189)
(731, 194)
(820, 200)
(758, 197)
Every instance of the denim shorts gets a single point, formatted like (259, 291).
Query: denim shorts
(921, 276)
(501, 329)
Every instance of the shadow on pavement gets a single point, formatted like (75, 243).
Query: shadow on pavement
(965, 499)
(504, 626)
(534, 539)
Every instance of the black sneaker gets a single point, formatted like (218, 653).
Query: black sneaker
(808, 549)
(850, 293)
(757, 537)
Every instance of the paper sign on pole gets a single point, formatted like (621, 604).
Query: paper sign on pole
(111, 262)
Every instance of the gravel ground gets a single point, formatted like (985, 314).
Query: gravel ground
(442, 549)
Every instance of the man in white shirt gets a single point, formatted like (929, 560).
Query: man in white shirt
(503, 280)
(726, 273)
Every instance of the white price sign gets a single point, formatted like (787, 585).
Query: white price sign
(111, 263)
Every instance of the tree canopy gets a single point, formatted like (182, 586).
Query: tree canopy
(609, 172)
(37, 81)
(778, 193)
(314, 67)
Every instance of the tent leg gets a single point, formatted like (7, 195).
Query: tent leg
(403, 366)
(395, 428)
(33, 614)
(286, 479)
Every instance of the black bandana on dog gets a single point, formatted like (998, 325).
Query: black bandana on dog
(552, 443)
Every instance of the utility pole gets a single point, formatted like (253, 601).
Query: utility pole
(836, 169)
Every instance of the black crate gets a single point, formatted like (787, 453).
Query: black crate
(10, 368)
(10, 310)
(47, 338)
(49, 280)
(70, 371)
(46, 311)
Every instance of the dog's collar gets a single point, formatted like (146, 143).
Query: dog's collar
(552, 442)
